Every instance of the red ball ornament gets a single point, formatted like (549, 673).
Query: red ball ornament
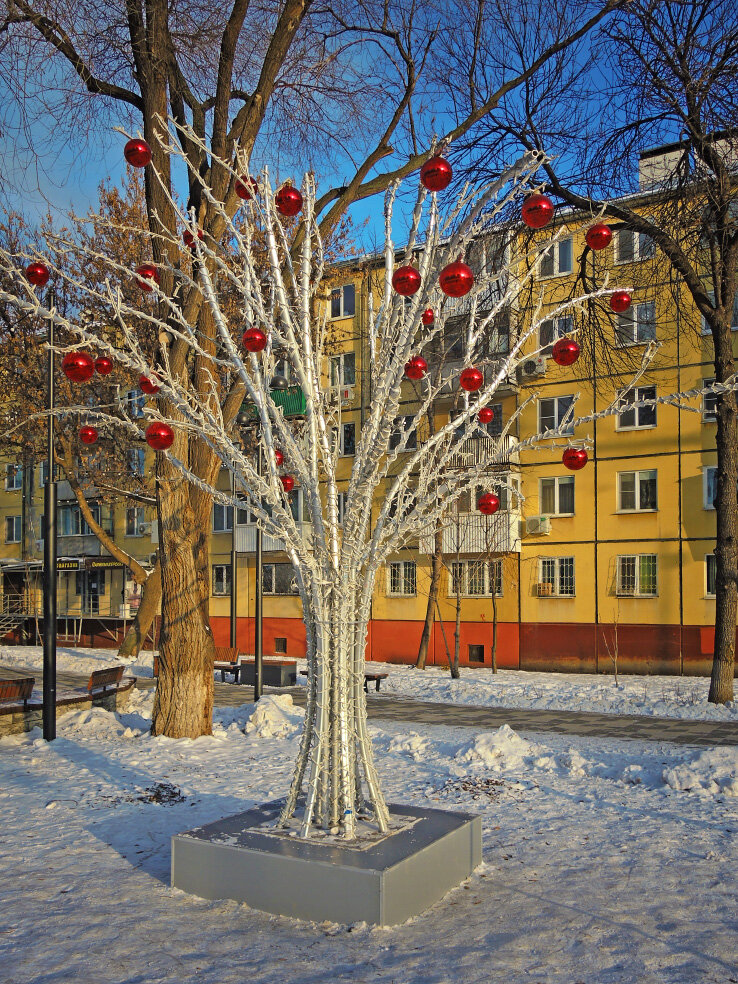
(428, 316)
(416, 367)
(488, 503)
(189, 239)
(457, 279)
(246, 188)
(147, 275)
(598, 236)
(278, 457)
(149, 384)
(620, 301)
(565, 352)
(288, 200)
(406, 281)
(471, 379)
(88, 434)
(254, 340)
(159, 436)
(436, 174)
(486, 415)
(37, 274)
(78, 366)
(537, 211)
(574, 458)
(137, 152)
(288, 482)
(103, 365)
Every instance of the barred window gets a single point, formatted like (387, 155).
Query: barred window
(558, 574)
(402, 578)
(636, 575)
(476, 578)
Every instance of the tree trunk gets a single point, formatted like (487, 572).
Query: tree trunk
(435, 581)
(726, 505)
(145, 615)
(457, 640)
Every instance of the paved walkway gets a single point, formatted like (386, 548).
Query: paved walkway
(682, 732)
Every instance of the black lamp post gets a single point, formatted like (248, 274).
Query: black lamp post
(50, 569)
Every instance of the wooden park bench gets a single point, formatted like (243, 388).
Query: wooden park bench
(227, 661)
(104, 680)
(12, 691)
(375, 678)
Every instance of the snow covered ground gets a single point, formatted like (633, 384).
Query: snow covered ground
(605, 862)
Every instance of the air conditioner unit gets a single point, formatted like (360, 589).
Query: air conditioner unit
(544, 589)
(143, 528)
(537, 525)
(535, 366)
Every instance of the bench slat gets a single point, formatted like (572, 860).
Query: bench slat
(17, 689)
(101, 679)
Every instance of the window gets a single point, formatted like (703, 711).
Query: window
(476, 653)
(494, 427)
(637, 575)
(347, 439)
(552, 329)
(280, 644)
(710, 575)
(709, 402)
(400, 428)
(343, 301)
(134, 520)
(136, 461)
(43, 473)
(630, 246)
(637, 491)
(733, 320)
(341, 505)
(222, 518)
(557, 259)
(401, 578)
(556, 496)
(551, 413)
(13, 478)
(135, 402)
(89, 586)
(279, 579)
(296, 505)
(71, 522)
(709, 486)
(637, 417)
(12, 529)
(556, 577)
(343, 369)
(221, 579)
(637, 326)
(476, 578)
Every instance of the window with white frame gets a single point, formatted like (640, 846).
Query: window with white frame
(135, 401)
(401, 578)
(552, 329)
(343, 301)
(475, 578)
(494, 427)
(136, 462)
(556, 496)
(13, 529)
(557, 575)
(296, 505)
(635, 418)
(557, 259)
(637, 325)
(710, 575)
(134, 520)
(284, 369)
(734, 317)
(552, 411)
(221, 579)
(709, 486)
(13, 478)
(636, 575)
(637, 491)
(72, 523)
(401, 428)
(279, 579)
(631, 246)
(343, 369)
(222, 518)
(709, 402)
(346, 434)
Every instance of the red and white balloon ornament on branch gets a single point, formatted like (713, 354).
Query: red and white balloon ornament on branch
(37, 274)
(456, 279)
(254, 340)
(428, 316)
(88, 434)
(78, 366)
(598, 236)
(574, 458)
(436, 174)
(288, 200)
(246, 188)
(471, 379)
(278, 457)
(486, 415)
(103, 365)
(288, 482)
(159, 436)
(137, 152)
(537, 211)
(565, 352)
(406, 281)
(149, 384)
(620, 301)
(416, 367)
(146, 276)
(488, 503)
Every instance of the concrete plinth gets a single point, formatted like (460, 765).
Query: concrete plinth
(383, 880)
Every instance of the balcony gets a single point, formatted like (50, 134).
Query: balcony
(246, 539)
(450, 371)
(477, 449)
(473, 533)
(291, 399)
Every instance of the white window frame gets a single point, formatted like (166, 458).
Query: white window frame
(710, 557)
(707, 502)
(136, 462)
(491, 578)
(17, 531)
(341, 292)
(13, 478)
(404, 573)
(558, 413)
(399, 426)
(341, 435)
(704, 327)
(639, 240)
(558, 480)
(222, 581)
(342, 370)
(621, 591)
(634, 395)
(557, 583)
(292, 584)
(555, 250)
(709, 416)
(637, 491)
(561, 327)
(137, 515)
(637, 316)
(224, 516)
(135, 401)
(76, 521)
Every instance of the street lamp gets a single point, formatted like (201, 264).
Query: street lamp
(50, 559)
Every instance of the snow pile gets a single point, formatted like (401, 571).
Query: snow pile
(411, 744)
(275, 716)
(710, 773)
(500, 751)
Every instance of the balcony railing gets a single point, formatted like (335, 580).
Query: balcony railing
(473, 533)
(450, 378)
(497, 450)
(246, 539)
(291, 399)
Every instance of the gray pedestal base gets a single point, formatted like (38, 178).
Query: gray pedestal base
(383, 882)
